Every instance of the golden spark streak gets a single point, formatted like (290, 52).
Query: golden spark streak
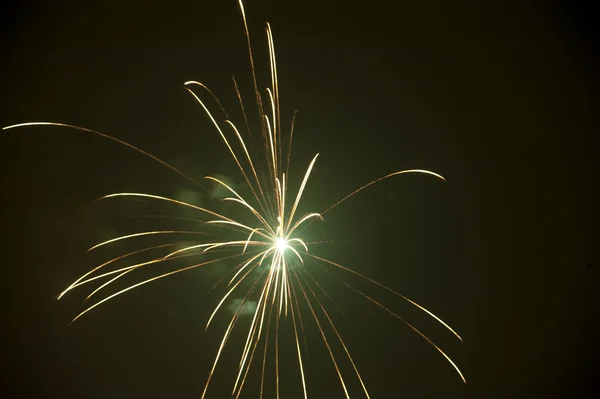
(106, 136)
(145, 233)
(73, 285)
(234, 286)
(390, 290)
(325, 340)
(301, 190)
(427, 172)
(339, 338)
(150, 280)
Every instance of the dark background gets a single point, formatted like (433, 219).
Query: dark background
(499, 98)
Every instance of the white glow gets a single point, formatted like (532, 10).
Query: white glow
(281, 244)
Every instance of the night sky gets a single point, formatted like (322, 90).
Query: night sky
(500, 99)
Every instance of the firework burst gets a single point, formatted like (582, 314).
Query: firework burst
(268, 250)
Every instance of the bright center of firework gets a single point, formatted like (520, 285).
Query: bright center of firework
(281, 244)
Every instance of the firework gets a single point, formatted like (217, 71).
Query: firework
(268, 252)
